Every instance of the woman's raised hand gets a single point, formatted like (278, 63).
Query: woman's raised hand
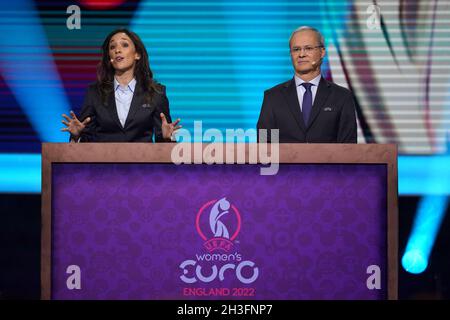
(73, 125)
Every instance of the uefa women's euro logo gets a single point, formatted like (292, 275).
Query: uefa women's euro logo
(218, 223)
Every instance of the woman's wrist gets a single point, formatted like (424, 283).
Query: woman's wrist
(75, 138)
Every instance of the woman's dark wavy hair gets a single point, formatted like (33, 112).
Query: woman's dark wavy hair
(142, 71)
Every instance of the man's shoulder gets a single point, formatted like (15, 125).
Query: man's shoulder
(338, 89)
(278, 87)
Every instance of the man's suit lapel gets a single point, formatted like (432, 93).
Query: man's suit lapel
(135, 104)
(112, 108)
(321, 96)
(292, 100)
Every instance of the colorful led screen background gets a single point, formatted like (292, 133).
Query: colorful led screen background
(217, 58)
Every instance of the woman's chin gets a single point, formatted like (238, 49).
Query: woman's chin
(122, 69)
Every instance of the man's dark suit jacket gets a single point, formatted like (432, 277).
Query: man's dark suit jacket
(143, 120)
(332, 118)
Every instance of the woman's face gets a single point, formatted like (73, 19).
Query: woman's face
(122, 53)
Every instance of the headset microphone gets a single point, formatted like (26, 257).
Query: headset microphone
(316, 62)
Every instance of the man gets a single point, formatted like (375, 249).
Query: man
(308, 108)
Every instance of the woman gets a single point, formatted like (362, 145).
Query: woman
(125, 104)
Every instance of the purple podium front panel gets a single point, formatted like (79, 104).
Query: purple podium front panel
(161, 231)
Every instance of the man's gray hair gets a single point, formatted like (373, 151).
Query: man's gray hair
(305, 28)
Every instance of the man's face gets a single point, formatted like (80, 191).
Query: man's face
(305, 54)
